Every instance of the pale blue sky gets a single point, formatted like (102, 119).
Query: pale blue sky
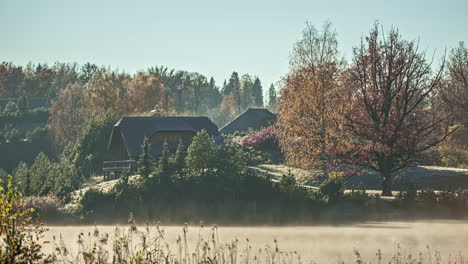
(212, 37)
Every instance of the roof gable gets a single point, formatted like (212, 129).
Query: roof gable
(254, 118)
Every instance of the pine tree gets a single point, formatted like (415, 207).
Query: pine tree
(257, 93)
(41, 175)
(247, 91)
(233, 87)
(179, 157)
(22, 175)
(163, 165)
(145, 167)
(272, 97)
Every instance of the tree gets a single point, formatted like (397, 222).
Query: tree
(102, 95)
(214, 97)
(178, 160)
(313, 102)
(392, 119)
(22, 175)
(257, 93)
(201, 153)
(272, 104)
(174, 82)
(246, 91)
(87, 71)
(67, 114)
(198, 85)
(42, 176)
(455, 93)
(227, 110)
(315, 48)
(145, 164)
(90, 147)
(18, 230)
(234, 87)
(144, 93)
(64, 74)
(163, 165)
(12, 80)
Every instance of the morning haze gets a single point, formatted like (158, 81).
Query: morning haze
(233, 132)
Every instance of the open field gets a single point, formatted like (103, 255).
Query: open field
(432, 177)
(315, 244)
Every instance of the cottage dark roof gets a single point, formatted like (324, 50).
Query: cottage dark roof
(132, 130)
(254, 118)
(33, 103)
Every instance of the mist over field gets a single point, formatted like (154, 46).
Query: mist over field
(314, 244)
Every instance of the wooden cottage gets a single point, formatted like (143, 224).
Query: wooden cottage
(129, 133)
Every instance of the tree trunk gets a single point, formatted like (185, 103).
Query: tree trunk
(387, 183)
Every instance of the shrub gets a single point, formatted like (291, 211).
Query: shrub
(427, 197)
(288, 182)
(44, 205)
(20, 234)
(410, 193)
(95, 198)
(263, 139)
(332, 189)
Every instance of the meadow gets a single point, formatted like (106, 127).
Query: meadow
(367, 242)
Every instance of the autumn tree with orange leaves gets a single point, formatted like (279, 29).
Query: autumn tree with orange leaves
(66, 114)
(144, 93)
(313, 101)
(392, 118)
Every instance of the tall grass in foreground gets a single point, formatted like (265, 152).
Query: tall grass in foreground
(149, 245)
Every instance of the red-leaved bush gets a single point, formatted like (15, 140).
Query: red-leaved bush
(262, 139)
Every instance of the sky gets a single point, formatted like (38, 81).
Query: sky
(212, 37)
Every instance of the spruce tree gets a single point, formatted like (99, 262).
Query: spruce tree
(145, 166)
(179, 157)
(257, 93)
(21, 174)
(163, 165)
(272, 96)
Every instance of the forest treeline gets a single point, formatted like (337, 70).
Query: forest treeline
(79, 92)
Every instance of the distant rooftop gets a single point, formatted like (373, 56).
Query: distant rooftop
(252, 118)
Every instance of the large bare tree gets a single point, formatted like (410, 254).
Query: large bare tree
(392, 119)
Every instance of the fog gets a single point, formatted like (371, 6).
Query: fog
(321, 244)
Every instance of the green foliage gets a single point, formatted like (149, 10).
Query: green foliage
(164, 170)
(145, 164)
(9, 134)
(454, 150)
(179, 158)
(11, 110)
(4, 176)
(42, 173)
(23, 176)
(332, 189)
(288, 182)
(36, 134)
(201, 154)
(94, 199)
(20, 234)
(410, 193)
(90, 149)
